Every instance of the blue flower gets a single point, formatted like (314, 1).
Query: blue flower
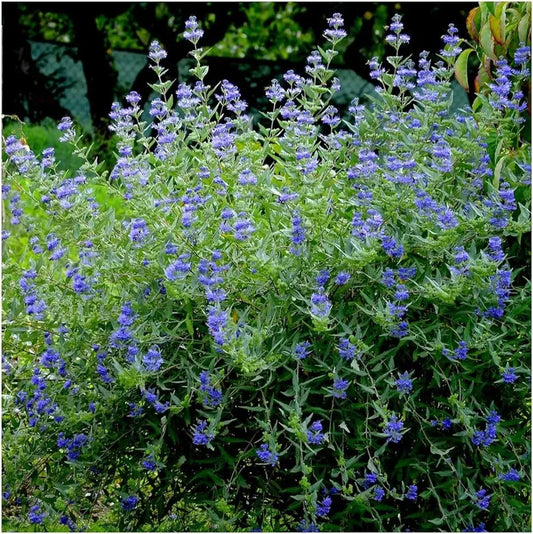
(460, 255)
(138, 231)
(493, 418)
(479, 528)
(314, 434)
(322, 277)
(152, 360)
(335, 29)
(379, 493)
(161, 407)
(217, 321)
(339, 388)
(399, 330)
(193, 32)
(149, 463)
(511, 476)
(201, 435)
(104, 374)
(304, 526)
(211, 396)
(179, 268)
(486, 437)
(401, 293)
(66, 520)
(370, 480)
(391, 247)
(135, 410)
(495, 249)
(393, 429)
(35, 515)
(482, 500)
(446, 423)
(301, 350)
(129, 503)
(275, 92)
(156, 53)
(404, 384)
(460, 353)
(266, 455)
(298, 234)
(323, 508)
(411, 492)
(509, 376)
(387, 277)
(342, 278)
(49, 358)
(346, 349)
(320, 304)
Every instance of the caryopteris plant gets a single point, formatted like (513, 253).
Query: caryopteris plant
(321, 322)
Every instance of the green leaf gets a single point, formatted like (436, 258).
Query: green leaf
(486, 41)
(524, 27)
(461, 68)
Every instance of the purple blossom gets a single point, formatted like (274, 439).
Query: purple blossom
(129, 503)
(509, 376)
(323, 507)
(212, 396)
(104, 374)
(511, 476)
(156, 53)
(36, 515)
(482, 500)
(379, 493)
(153, 360)
(342, 278)
(314, 434)
(451, 42)
(297, 234)
(275, 92)
(404, 384)
(391, 247)
(265, 454)
(339, 388)
(460, 353)
(138, 231)
(370, 480)
(192, 33)
(411, 492)
(387, 277)
(401, 293)
(301, 350)
(217, 320)
(393, 429)
(148, 463)
(178, 269)
(346, 349)
(335, 30)
(322, 277)
(202, 436)
(495, 249)
(320, 304)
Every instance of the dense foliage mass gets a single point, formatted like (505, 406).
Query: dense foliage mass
(318, 323)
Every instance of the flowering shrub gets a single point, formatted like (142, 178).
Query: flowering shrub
(321, 322)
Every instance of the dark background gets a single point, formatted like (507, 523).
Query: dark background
(279, 35)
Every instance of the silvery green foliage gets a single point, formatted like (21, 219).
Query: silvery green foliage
(321, 322)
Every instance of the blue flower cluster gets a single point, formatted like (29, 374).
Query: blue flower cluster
(211, 396)
(267, 455)
(484, 438)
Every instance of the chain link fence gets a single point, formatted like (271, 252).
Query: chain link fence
(60, 63)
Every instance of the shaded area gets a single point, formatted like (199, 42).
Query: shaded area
(39, 81)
